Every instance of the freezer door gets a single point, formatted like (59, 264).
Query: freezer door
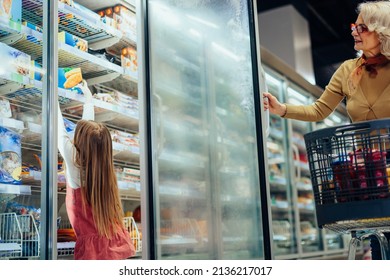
(206, 154)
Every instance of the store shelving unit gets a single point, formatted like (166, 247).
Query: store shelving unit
(24, 93)
(296, 234)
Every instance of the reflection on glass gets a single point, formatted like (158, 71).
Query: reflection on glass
(206, 183)
(283, 221)
(310, 240)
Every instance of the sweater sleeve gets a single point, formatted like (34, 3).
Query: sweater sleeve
(323, 106)
(67, 150)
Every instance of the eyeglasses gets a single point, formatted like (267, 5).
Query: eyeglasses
(360, 28)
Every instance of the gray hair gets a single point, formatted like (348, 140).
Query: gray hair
(376, 15)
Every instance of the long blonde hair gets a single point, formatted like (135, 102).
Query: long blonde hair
(99, 189)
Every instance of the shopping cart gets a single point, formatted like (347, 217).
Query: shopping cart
(350, 174)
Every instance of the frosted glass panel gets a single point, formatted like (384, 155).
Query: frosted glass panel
(206, 184)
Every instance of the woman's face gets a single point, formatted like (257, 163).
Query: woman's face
(365, 41)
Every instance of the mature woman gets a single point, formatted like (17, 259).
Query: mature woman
(364, 81)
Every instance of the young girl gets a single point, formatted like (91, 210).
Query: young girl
(92, 197)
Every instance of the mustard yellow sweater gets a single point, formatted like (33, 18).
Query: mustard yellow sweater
(371, 100)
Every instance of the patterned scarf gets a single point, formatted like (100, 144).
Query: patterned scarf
(370, 64)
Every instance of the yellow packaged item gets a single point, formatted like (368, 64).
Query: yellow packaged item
(69, 77)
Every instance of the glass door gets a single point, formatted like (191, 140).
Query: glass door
(282, 206)
(206, 147)
(308, 233)
(24, 220)
(98, 41)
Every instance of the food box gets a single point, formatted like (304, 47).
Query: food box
(125, 21)
(67, 2)
(14, 61)
(129, 59)
(73, 41)
(10, 156)
(11, 9)
(69, 78)
(36, 71)
(106, 16)
(32, 26)
(5, 109)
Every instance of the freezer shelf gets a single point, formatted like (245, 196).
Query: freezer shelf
(19, 236)
(85, 25)
(72, 20)
(29, 92)
(94, 69)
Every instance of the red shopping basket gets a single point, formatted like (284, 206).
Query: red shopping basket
(349, 173)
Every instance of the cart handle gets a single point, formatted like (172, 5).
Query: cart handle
(364, 125)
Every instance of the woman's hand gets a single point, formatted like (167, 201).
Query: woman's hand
(272, 104)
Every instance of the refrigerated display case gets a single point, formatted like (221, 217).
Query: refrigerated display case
(20, 202)
(110, 68)
(206, 146)
(183, 107)
(296, 234)
(105, 55)
(283, 218)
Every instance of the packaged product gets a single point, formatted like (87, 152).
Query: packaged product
(124, 138)
(32, 26)
(5, 108)
(109, 21)
(14, 61)
(70, 127)
(106, 16)
(129, 59)
(11, 9)
(125, 21)
(107, 12)
(73, 41)
(36, 71)
(69, 77)
(10, 157)
(67, 2)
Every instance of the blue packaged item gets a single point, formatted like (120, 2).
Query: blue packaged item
(10, 157)
(69, 127)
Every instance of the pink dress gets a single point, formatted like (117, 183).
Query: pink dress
(89, 245)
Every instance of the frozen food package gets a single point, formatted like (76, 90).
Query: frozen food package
(67, 2)
(14, 61)
(73, 41)
(70, 127)
(5, 109)
(69, 78)
(11, 9)
(129, 59)
(125, 21)
(10, 157)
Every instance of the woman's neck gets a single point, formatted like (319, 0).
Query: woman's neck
(370, 54)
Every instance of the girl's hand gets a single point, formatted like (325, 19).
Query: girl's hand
(272, 104)
(86, 91)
